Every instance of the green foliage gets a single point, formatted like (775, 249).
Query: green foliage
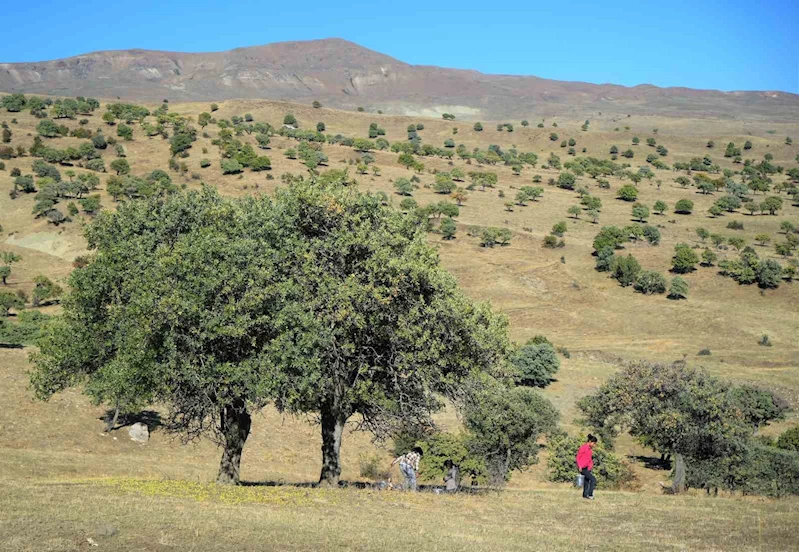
(231, 166)
(650, 282)
(505, 424)
(609, 237)
(8, 301)
(535, 363)
(552, 242)
(771, 205)
(403, 186)
(559, 228)
(640, 212)
(490, 237)
(768, 273)
(121, 166)
(709, 257)
(680, 410)
(14, 103)
(651, 234)
(685, 259)
(180, 142)
(45, 290)
(625, 270)
(125, 132)
(99, 142)
(29, 327)
(91, 204)
(290, 120)
(753, 470)
(566, 180)
(49, 129)
(448, 228)
(684, 206)
(440, 447)
(789, 439)
(611, 471)
(628, 193)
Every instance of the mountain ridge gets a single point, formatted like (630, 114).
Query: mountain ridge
(343, 74)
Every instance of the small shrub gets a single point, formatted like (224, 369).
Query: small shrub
(650, 282)
(704, 352)
(372, 466)
(764, 341)
(789, 440)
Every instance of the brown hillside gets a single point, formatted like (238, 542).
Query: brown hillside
(345, 75)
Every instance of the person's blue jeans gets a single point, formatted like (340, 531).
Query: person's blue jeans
(410, 476)
(589, 484)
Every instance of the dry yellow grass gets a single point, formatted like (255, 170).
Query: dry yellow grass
(47, 451)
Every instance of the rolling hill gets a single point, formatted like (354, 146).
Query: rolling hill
(345, 75)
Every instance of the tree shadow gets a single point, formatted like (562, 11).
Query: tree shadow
(150, 418)
(652, 462)
(366, 486)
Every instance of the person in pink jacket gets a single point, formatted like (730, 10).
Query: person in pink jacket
(585, 464)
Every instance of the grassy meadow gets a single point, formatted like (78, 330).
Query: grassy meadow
(63, 481)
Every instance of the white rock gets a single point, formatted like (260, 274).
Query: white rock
(139, 432)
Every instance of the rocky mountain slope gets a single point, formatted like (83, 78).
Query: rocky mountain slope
(342, 74)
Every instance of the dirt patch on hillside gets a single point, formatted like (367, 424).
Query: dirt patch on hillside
(46, 242)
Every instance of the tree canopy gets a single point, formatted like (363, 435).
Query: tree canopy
(322, 299)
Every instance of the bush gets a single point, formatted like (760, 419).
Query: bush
(535, 364)
(448, 228)
(231, 166)
(756, 470)
(768, 273)
(559, 228)
(764, 341)
(609, 236)
(29, 327)
(628, 192)
(611, 472)
(789, 440)
(205, 163)
(551, 242)
(489, 237)
(684, 207)
(96, 165)
(650, 282)
(440, 447)
(566, 180)
(704, 352)
(685, 259)
(625, 270)
(505, 424)
(652, 234)
(372, 466)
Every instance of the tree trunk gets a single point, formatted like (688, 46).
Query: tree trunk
(678, 481)
(112, 423)
(235, 426)
(332, 430)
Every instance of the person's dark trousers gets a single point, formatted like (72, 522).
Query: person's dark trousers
(589, 483)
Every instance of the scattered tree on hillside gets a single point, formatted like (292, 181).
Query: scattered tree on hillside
(683, 412)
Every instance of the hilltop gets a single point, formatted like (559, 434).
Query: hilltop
(345, 75)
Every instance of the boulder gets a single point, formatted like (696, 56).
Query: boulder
(139, 432)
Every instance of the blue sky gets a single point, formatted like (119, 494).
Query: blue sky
(727, 45)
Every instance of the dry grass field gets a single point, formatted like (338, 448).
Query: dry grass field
(62, 480)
